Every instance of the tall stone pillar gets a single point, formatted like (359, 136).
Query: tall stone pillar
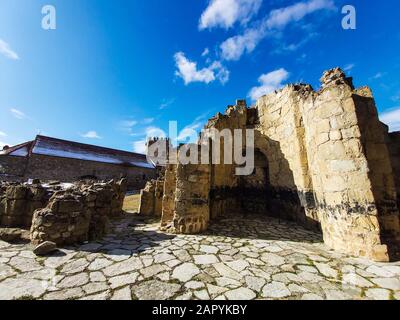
(350, 168)
(168, 202)
(192, 209)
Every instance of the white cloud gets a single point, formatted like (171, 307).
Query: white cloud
(205, 52)
(396, 97)
(349, 67)
(18, 113)
(128, 123)
(147, 120)
(283, 48)
(140, 146)
(2, 134)
(268, 83)
(189, 72)
(166, 103)
(91, 135)
(6, 51)
(280, 18)
(379, 75)
(392, 119)
(225, 13)
(233, 48)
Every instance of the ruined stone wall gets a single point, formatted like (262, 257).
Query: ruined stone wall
(18, 203)
(394, 150)
(151, 198)
(48, 168)
(344, 178)
(326, 164)
(281, 137)
(59, 213)
(78, 214)
(159, 194)
(148, 199)
(192, 210)
(381, 173)
(65, 221)
(223, 184)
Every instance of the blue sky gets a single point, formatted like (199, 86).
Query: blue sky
(114, 71)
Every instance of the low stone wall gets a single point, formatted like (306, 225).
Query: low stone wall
(78, 214)
(64, 214)
(18, 203)
(65, 220)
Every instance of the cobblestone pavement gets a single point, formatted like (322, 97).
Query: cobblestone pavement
(238, 259)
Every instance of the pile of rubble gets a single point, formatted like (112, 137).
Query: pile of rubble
(64, 214)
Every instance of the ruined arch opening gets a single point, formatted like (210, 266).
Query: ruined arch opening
(253, 189)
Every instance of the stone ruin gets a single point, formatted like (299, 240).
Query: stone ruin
(322, 159)
(65, 214)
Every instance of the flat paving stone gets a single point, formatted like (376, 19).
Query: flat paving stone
(205, 259)
(378, 294)
(155, 290)
(17, 288)
(185, 272)
(240, 294)
(275, 290)
(74, 281)
(238, 258)
(123, 294)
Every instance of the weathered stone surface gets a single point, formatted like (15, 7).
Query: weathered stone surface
(121, 281)
(74, 281)
(96, 287)
(255, 283)
(126, 266)
(377, 294)
(24, 264)
(152, 270)
(228, 272)
(66, 275)
(240, 294)
(356, 280)
(205, 259)
(122, 294)
(185, 272)
(238, 265)
(387, 283)
(155, 290)
(18, 288)
(99, 264)
(68, 294)
(311, 296)
(275, 290)
(45, 248)
(322, 158)
(13, 235)
(75, 266)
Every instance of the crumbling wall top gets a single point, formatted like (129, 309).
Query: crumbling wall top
(334, 77)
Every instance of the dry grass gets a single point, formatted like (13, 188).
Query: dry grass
(131, 203)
